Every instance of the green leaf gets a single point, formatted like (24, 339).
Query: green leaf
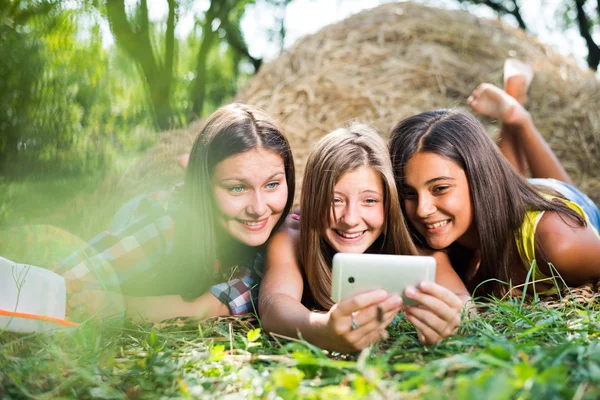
(288, 378)
(217, 353)
(153, 339)
(253, 335)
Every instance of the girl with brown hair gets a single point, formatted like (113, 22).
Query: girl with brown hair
(349, 204)
(461, 194)
(167, 251)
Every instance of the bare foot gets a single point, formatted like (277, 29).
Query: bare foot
(517, 78)
(183, 161)
(493, 102)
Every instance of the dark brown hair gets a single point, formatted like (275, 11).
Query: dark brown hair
(500, 197)
(233, 129)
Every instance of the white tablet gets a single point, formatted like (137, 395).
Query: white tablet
(354, 273)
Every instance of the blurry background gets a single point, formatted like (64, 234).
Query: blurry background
(87, 86)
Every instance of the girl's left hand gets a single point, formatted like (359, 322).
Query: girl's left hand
(438, 314)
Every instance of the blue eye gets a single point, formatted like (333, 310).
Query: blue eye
(235, 189)
(272, 185)
(371, 201)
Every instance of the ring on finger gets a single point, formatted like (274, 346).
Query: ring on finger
(355, 325)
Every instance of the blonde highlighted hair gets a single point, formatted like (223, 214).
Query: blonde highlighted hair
(337, 153)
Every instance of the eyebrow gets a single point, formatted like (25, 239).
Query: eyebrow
(275, 175)
(433, 180)
(439, 178)
(364, 191)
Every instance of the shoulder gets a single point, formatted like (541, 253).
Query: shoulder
(282, 269)
(572, 249)
(556, 231)
(285, 240)
(290, 228)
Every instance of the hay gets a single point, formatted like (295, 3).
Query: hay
(385, 64)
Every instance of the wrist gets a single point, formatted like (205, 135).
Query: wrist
(519, 118)
(316, 330)
(207, 305)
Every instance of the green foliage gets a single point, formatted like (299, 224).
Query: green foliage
(559, 360)
(67, 107)
(72, 105)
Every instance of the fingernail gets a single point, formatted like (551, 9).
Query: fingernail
(425, 285)
(396, 300)
(410, 291)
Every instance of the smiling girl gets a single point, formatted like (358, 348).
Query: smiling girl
(461, 195)
(170, 249)
(349, 204)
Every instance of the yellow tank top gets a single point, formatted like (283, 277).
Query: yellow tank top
(525, 236)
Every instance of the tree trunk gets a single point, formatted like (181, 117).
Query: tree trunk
(593, 58)
(218, 10)
(137, 44)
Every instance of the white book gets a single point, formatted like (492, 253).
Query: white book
(32, 299)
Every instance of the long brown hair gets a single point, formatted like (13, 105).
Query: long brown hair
(233, 129)
(500, 197)
(337, 153)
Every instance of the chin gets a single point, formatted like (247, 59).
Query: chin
(437, 245)
(352, 250)
(254, 241)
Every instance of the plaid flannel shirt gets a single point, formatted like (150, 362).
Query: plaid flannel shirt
(139, 237)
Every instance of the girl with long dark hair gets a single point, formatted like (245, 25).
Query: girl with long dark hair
(463, 194)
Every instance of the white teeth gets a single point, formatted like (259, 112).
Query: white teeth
(249, 223)
(436, 225)
(349, 235)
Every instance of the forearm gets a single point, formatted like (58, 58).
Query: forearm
(541, 160)
(286, 316)
(159, 308)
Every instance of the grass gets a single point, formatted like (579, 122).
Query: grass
(509, 351)
(49, 197)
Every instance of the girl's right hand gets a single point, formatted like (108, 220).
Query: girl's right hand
(360, 320)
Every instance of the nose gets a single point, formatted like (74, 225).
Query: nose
(350, 216)
(257, 206)
(425, 206)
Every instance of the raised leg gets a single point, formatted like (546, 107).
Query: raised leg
(520, 141)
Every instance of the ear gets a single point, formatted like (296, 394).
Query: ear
(183, 161)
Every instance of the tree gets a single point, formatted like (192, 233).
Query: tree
(585, 23)
(21, 61)
(220, 25)
(66, 102)
(585, 18)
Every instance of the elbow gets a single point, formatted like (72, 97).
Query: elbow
(265, 313)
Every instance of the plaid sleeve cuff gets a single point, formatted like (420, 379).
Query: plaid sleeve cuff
(240, 295)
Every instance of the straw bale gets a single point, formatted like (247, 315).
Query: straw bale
(385, 64)
(382, 65)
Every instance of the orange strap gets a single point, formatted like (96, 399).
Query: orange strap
(38, 317)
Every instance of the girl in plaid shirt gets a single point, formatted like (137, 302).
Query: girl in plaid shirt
(167, 251)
